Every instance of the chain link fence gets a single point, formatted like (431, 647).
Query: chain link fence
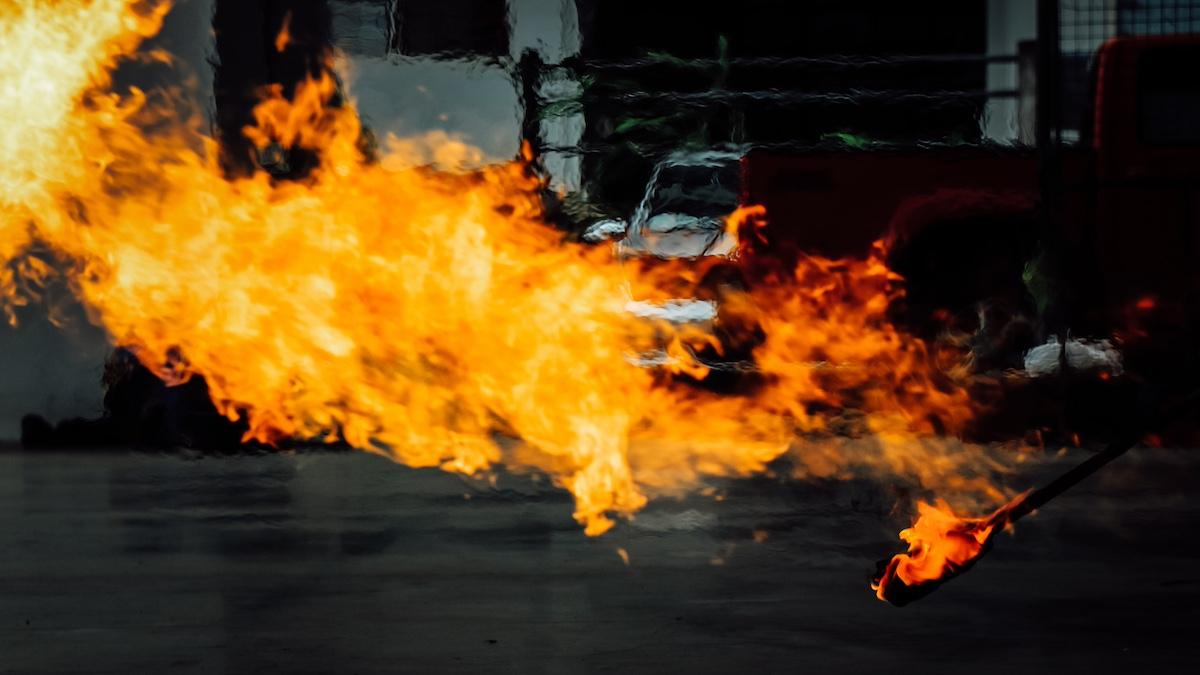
(1085, 25)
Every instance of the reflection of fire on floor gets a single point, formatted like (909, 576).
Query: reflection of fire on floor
(156, 563)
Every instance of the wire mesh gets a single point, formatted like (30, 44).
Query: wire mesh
(1158, 17)
(1085, 25)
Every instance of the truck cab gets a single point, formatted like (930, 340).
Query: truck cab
(1141, 213)
(963, 221)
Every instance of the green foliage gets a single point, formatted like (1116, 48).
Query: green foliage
(848, 139)
(1039, 282)
(561, 108)
(672, 60)
(657, 125)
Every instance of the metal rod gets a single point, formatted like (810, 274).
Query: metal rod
(829, 145)
(1115, 449)
(1047, 78)
(852, 96)
(900, 594)
(833, 61)
(1048, 131)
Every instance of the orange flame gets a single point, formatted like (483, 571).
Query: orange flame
(284, 37)
(430, 315)
(940, 544)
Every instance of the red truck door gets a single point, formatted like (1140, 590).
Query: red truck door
(1147, 148)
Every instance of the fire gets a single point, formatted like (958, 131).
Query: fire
(429, 314)
(52, 52)
(284, 37)
(941, 544)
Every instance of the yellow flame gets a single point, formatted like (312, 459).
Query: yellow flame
(52, 52)
(427, 315)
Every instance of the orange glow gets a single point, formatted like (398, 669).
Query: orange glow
(940, 543)
(284, 37)
(755, 215)
(414, 309)
(1146, 304)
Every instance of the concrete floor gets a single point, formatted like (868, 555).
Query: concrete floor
(345, 563)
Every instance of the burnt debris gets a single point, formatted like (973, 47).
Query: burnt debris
(141, 410)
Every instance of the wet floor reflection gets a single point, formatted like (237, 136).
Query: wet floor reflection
(326, 562)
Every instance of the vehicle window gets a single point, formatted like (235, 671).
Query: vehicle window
(696, 190)
(1169, 96)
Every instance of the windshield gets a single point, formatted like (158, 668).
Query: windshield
(697, 184)
(1169, 96)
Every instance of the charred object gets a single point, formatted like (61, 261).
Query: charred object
(141, 410)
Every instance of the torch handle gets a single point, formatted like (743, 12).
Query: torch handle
(1115, 449)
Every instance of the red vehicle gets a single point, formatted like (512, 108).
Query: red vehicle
(964, 223)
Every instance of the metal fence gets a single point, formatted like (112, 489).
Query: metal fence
(1085, 25)
(863, 99)
(637, 110)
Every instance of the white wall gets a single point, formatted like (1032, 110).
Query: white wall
(1010, 22)
(479, 103)
(55, 371)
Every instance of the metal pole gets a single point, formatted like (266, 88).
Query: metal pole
(1049, 124)
(1048, 90)
(1049, 135)
(528, 71)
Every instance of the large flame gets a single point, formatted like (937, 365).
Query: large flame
(52, 53)
(428, 315)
